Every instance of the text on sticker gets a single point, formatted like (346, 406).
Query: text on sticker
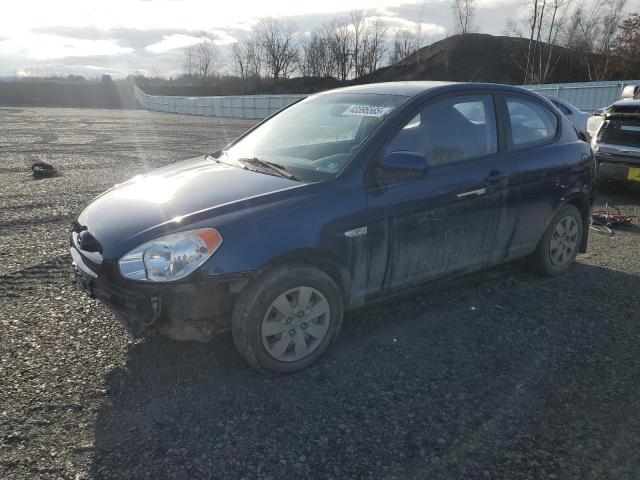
(365, 111)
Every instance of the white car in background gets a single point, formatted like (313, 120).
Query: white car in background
(576, 116)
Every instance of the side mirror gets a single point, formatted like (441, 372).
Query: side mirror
(401, 165)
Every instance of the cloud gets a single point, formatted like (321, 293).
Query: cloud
(127, 37)
(171, 42)
(45, 47)
(223, 37)
(76, 36)
(167, 14)
(395, 23)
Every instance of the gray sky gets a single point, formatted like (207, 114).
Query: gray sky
(92, 37)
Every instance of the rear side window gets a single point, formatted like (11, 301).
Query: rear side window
(530, 122)
(450, 130)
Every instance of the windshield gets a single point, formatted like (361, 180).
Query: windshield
(317, 137)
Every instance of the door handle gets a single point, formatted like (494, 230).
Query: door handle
(477, 193)
(496, 177)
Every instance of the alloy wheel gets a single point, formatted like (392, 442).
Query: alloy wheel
(295, 324)
(564, 241)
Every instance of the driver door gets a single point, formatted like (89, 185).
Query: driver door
(460, 215)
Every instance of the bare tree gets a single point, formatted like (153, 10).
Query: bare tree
(315, 55)
(587, 27)
(306, 55)
(627, 47)
(358, 38)
(549, 54)
(592, 29)
(611, 22)
(463, 12)
(240, 54)
(420, 33)
(277, 40)
(254, 58)
(206, 59)
(189, 61)
(545, 23)
(536, 14)
(340, 42)
(404, 43)
(155, 73)
(374, 45)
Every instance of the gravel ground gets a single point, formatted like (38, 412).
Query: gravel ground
(500, 374)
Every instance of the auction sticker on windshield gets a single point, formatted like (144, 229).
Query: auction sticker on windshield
(365, 111)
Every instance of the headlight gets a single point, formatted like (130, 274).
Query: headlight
(593, 125)
(171, 257)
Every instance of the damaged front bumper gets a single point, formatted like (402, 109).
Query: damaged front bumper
(195, 309)
(616, 162)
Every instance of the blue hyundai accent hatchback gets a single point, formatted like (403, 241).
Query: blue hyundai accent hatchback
(334, 202)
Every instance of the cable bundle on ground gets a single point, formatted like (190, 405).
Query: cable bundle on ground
(603, 221)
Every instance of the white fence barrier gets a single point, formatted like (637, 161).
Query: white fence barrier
(586, 96)
(239, 106)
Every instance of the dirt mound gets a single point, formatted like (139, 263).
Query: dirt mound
(477, 57)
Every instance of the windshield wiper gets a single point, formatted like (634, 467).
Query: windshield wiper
(274, 167)
(218, 157)
(215, 157)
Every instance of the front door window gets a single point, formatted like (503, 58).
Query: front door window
(451, 130)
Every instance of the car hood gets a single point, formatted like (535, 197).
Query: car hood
(170, 199)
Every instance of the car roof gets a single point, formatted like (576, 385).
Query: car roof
(564, 102)
(414, 88)
(408, 89)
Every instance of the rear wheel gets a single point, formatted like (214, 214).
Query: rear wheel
(560, 243)
(287, 318)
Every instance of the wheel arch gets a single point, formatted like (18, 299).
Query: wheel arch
(581, 203)
(323, 261)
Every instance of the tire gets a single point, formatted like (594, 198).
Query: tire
(259, 309)
(557, 250)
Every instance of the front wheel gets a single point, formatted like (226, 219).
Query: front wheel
(286, 319)
(560, 243)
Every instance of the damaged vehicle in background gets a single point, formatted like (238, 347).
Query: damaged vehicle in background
(577, 117)
(337, 201)
(615, 133)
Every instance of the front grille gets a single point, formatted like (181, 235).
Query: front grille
(621, 131)
(93, 260)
